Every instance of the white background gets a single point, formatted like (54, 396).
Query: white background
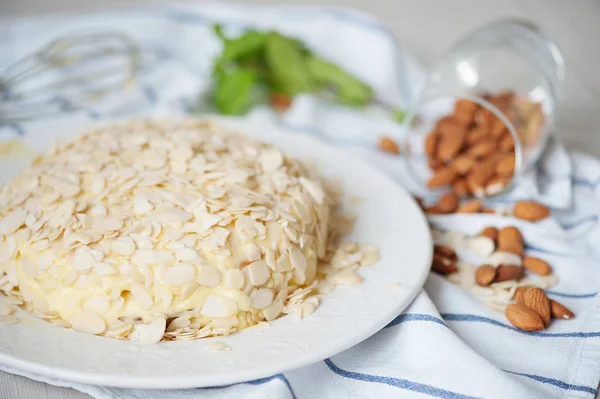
(426, 28)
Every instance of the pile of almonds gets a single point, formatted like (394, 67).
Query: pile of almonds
(473, 151)
(503, 249)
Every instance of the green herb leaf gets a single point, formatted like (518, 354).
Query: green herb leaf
(250, 44)
(233, 91)
(286, 61)
(349, 89)
(398, 115)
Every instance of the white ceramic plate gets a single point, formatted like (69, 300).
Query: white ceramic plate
(388, 216)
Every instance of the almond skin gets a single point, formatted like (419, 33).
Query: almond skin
(508, 272)
(482, 148)
(510, 240)
(484, 275)
(445, 252)
(434, 163)
(475, 135)
(433, 210)
(490, 232)
(506, 143)
(448, 126)
(442, 177)
(523, 318)
(389, 145)
(531, 211)
(442, 265)
(460, 188)
(519, 293)
(448, 202)
(536, 265)
(462, 164)
(537, 300)
(479, 176)
(506, 166)
(431, 144)
(473, 206)
(560, 311)
(450, 144)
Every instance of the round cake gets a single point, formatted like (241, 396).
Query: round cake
(167, 230)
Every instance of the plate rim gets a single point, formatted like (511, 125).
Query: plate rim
(264, 371)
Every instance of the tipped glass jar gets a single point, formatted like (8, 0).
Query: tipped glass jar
(485, 113)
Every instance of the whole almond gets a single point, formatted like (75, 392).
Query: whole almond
(465, 106)
(445, 251)
(510, 240)
(448, 125)
(431, 144)
(537, 300)
(523, 318)
(490, 232)
(450, 144)
(460, 188)
(435, 163)
(496, 185)
(498, 128)
(519, 293)
(507, 143)
(508, 272)
(560, 311)
(475, 135)
(442, 265)
(433, 210)
(448, 202)
(479, 176)
(536, 265)
(462, 164)
(482, 148)
(442, 177)
(531, 211)
(389, 145)
(506, 165)
(484, 275)
(473, 206)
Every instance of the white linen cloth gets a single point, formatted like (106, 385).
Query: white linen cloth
(447, 343)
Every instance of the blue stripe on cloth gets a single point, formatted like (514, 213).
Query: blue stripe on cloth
(586, 183)
(396, 382)
(557, 383)
(415, 317)
(260, 381)
(572, 225)
(18, 129)
(575, 296)
(482, 319)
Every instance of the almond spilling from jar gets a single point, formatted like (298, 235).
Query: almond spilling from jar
(560, 311)
(443, 176)
(473, 206)
(536, 265)
(448, 202)
(442, 265)
(510, 240)
(485, 275)
(490, 232)
(524, 318)
(531, 211)
(389, 145)
(537, 300)
(445, 251)
(508, 272)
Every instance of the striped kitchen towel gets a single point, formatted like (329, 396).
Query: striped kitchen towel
(447, 344)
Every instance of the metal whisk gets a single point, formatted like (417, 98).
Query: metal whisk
(68, 74)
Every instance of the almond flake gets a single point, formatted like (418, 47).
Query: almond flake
(261, 298)
(141, 296)
(12, 221)
(258, 272)
(180, 274)
(88, 322)
(219, 307)
(234, 279)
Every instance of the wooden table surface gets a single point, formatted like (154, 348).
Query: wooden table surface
(426, 28)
